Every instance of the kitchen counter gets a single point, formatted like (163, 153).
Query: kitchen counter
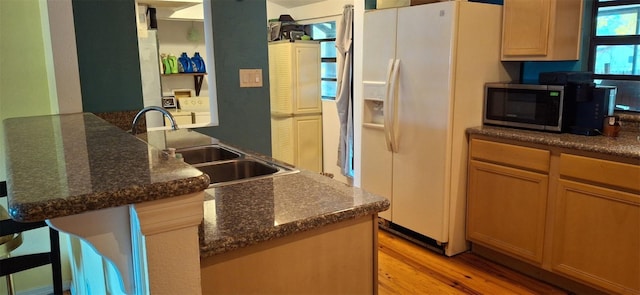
(64, 165)
(248, 213)
(244, 214)
(572, 204)
(626, 145)
(94, 181)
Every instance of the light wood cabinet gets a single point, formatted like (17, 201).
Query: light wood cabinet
(507, 206)
(297, 140)
(335, 259)
(575, 216)
(597, 223)
(541, 29)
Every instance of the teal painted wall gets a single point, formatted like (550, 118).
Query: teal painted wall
(240, 42)
(108, 59)
(531, 69)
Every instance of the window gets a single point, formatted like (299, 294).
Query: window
(615, 49)
(325, 33)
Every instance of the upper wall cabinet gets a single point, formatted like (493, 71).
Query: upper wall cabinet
(541, 30)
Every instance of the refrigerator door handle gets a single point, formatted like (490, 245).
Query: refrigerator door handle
(393, 91)
(385, 107)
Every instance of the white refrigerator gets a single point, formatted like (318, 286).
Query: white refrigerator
(424, 72)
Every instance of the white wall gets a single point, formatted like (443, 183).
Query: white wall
(27, 88)
(173, 38)
(311, 11)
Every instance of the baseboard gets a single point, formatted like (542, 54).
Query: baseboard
(533, 271)
(410, 235)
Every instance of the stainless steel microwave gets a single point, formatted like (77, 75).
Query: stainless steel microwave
(528, 106)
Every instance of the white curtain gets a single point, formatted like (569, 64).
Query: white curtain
(344, 97)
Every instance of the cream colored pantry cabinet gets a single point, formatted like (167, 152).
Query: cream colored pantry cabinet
(296, 104)
(596, 237)
(294, 77)
(507, 198)
(541, 29)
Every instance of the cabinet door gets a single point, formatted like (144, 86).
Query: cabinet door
(281, 75)
(282, 139)
(541, 29)
(506, 209)
(526, 27)
(597, 236)
(307, 79)
(308, 142)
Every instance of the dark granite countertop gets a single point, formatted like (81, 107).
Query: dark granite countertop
(62, 165)
(248, 213)
(243, 214)
(626, 145)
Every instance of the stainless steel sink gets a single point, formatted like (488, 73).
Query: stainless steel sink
(225, 165)
(236, 170)
(205, 154)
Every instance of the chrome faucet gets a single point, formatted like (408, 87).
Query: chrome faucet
(166, 113)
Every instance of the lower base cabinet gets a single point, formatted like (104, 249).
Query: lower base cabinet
(339, 258)
(597, 236)
(507, 209)
(297, 140)
(579, 218)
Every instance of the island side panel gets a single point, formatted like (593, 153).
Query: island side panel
(166, 254)
(336, 259)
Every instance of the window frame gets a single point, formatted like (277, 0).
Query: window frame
(609, 40)
(328, 60)
(325, 59)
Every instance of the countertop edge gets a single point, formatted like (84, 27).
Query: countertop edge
(292, 228)
(606, 146)
(49, 209)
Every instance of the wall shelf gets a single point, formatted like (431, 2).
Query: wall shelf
(198, 78)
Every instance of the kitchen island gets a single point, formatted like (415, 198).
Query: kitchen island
(296, 233)
(94, 168)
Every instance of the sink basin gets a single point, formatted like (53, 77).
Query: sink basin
(225, 165)
(204, 154)
(234, 171)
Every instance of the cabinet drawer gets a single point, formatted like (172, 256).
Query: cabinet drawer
(512, 155)
(604, 172)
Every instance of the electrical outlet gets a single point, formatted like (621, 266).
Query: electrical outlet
(250, 77)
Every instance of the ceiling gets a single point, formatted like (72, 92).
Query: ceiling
(294, 3)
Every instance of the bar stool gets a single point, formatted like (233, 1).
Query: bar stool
(8, 243)
(11, 238)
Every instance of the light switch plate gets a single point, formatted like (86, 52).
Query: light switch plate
(250, 77)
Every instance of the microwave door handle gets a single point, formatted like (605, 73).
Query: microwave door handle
(385, 107)
(393, 91)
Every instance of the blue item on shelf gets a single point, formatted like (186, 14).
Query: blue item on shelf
(198, 63)
(185, 63)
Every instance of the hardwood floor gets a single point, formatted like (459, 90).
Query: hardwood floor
(405, 268)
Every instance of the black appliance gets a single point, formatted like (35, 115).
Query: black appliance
(531, 106)
(585, 104)
(578, 108)
(589, 111)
